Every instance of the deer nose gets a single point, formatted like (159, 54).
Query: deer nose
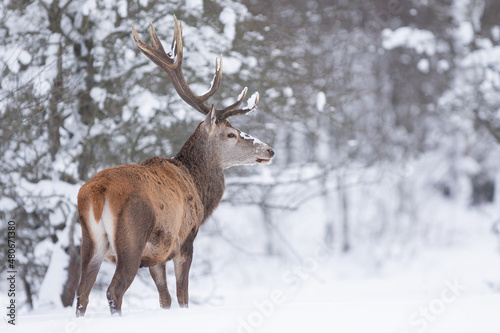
(271, 152)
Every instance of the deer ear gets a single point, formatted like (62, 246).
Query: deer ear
(210, 120)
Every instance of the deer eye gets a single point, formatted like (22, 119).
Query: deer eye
(231, 135)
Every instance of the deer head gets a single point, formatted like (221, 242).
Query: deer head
(227, 144)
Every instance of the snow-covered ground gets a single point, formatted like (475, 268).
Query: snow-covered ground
(444, 278)
(406, 302)
(432, 266)
(441, 289)
(469, 314)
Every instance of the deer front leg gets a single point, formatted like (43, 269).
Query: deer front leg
(182, 263)
(159, 275)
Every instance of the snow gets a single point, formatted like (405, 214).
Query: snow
(11, 59)
(54, 279)
(25, 57)
(88, 7)
(423, 65)
(195, 6)
(443, 66)
(495, 32)
(288, 92)
(272, 93)
(123, 8)
(253, 101)
(343, 315)
(422, 41)
(98, 95)
(51, 191)
(320, 101)
(147, 103)
(246, 136)
(228, 18)
(482, 57)
(7, 204)
(438, 294)
(232, 65)
(172, 51)
(445, 278)
(465, 33)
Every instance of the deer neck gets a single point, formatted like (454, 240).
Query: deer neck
(204, 167)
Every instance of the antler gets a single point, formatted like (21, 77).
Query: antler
(172, 64)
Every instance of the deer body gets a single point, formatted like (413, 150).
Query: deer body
(167, 209)
(144, 215)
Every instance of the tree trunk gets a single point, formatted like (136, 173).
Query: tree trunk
(71, 284)
(346, 243)
(74, 267)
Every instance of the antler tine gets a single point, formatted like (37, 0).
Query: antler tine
(154, 39)
(225, 113)
(177, 46)
(215, 81)
(155, 53)
(232, 109)
(171, 63)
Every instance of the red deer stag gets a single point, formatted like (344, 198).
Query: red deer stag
(144, 215)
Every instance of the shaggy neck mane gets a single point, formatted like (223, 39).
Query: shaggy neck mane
(204, 166)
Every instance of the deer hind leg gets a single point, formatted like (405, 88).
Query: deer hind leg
(182, 264)
(159, 275)
(136, 221)
(93, 251)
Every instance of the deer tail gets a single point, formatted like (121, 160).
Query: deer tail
(97, 199)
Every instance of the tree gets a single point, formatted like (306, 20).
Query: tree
(77, 97)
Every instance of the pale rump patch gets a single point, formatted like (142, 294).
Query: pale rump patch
(98, 235)
(102, 231)
(108, 221)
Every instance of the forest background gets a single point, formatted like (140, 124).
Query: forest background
(384, 115)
